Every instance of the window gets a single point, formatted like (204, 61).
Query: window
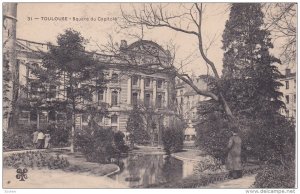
(287, 113)
(34, 89)
(85, 118)
(287, 85)
(287, 99)
(100, 96)
(147, 82)
(134, 98)
(135, 80)
(114, 78)
(69, 93)
(52, 91)
(159, 84)
(33, 116)
(147, 100)
(114, 119)
(114, 98)
(159, 101)
(295, 98)
(51, 115)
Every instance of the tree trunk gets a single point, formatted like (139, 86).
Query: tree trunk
(72, 133)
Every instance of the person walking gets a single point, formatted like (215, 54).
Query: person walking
(47, 139)
(233, 163)
(40, 140)
(34, 139)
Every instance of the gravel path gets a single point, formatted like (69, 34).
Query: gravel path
(241, 183)
(57, 179)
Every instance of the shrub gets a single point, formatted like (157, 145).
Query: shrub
(276, 176)
(59, 136)
(173, 140)
(267, 138)
(272, 139)
(17, 141)
(212, 135)
(120, 143)
(35, 160)
(96, 144)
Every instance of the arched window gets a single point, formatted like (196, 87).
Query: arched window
(147, 100)
(159, 101)
(114, 98)
(114, 78)
(134, 98)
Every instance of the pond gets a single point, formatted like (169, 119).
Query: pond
(144, 170)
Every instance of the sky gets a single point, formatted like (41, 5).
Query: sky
(33, 24)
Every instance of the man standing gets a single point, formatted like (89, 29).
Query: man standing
(234, 164)
(40, 140)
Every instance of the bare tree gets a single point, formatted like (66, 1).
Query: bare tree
(188, 22)
(281, 20)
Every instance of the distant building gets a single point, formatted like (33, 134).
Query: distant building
(187, 102)
(187, 99)
(289, 93)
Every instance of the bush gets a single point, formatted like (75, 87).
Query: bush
(35, 160)
(173, 140)
(59, 136)
(271, 139)
(213, 135)
(17, 141)
(276, 176)
(96, 144)
(267, 138)
(120, 143)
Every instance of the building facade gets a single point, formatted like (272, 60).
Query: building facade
(288, 93)
(128, 85)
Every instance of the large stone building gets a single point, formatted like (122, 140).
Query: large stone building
(135, 78)
(289, 93)
(128, 85)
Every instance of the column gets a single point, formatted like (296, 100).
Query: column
(108, 96)
(166, 85)
(105, 96)
(142, 90)
(154, 93)
(129, 90)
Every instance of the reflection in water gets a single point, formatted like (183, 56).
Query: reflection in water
(141, 170)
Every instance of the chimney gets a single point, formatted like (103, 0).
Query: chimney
(123, 44)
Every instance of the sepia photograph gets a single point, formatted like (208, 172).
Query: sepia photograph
(149, 95)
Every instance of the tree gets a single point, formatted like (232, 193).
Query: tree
(75, 75)
(281, 20)
(189, 22)
(136, 127)
(250, 84)
(250, 77)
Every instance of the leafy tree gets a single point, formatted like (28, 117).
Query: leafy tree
(173, 139)
(75, 75)
(136, 127)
